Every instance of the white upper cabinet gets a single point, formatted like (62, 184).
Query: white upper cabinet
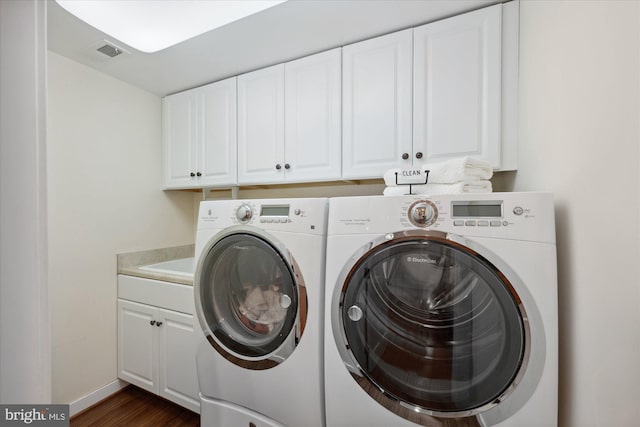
(199, 136)
(313, 118)
(289, 121)
(377, 79)
(217, 126)
(457, 87)
(442, 90)
(179, 135)
(261, 126)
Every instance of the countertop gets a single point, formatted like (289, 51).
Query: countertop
(134, 263)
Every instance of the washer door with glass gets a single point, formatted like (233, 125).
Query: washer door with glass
(250, 298)
(429, 328)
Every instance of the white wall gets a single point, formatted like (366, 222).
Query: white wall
(25, 362)
(579, 138)
(105, 197)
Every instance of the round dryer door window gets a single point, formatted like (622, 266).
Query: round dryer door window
(250, 299)
(430, 325)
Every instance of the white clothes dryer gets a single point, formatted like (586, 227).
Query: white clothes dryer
(441, 311)
(259, 294)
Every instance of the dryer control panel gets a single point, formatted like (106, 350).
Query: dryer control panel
(517, 216)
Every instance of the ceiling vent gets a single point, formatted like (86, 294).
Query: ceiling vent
(105, 51)
(109, 50)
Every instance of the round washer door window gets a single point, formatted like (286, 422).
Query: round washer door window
(250, 300)
(430, 324)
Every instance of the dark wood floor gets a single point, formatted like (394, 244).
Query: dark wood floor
(133, 407)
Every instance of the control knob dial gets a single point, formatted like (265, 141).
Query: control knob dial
(423, 213)
(244, 213)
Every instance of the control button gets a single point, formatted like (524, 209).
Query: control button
(263, 220)
(283, 220)
(518, 210)
(458, 222)
(495, 223)
(505, 223)
(470, 222)
(269, 220)
(483, 223)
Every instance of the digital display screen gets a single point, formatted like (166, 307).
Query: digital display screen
(274, 210)
(477, 209)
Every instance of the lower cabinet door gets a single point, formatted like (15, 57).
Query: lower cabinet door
(178, 379)
(137, 345)
(157, 352)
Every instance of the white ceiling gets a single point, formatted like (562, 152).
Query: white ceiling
(290, 30)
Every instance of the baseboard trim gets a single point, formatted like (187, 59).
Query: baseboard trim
(96, 396)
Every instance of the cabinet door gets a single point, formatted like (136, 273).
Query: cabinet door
(457, 87)
(377, 79)
(261, 126)
(177, 359)
(179, 136)
(137, 344)
(217, 140)
(313, 118)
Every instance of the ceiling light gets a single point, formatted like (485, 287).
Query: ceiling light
(150, 26)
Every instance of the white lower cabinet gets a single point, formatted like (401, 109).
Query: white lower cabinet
(156, 347)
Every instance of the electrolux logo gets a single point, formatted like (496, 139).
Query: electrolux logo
(37, 415)
(421, 260)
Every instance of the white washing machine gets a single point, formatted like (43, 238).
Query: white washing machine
(259, 293)
(441, 311)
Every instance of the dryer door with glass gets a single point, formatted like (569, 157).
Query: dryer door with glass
(250, 298)
(429, 327)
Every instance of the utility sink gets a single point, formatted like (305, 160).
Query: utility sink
(178, 267)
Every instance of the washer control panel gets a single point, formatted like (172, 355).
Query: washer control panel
(293, 215)
(267, 213)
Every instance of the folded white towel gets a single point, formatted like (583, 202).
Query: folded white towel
(449, 171)
(479, 186)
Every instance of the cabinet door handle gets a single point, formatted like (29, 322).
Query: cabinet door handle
(192, 174)
(405, 156)
(419, 155)
(153, 322)
(158, 324)
(278, 167)
(198, 174)
(287, 166)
